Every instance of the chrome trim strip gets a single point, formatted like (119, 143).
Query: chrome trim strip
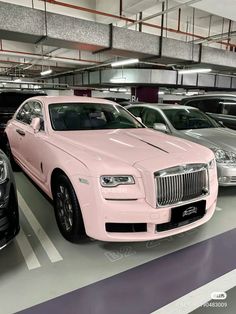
(180, 182)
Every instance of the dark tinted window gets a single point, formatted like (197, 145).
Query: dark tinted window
(90, 116)
(229, 107)
(29, 111)
(151, 116)
(207, 105)
(136, 111)
(186, 119)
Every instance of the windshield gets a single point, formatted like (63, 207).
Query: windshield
(89, 116)
(186, 119)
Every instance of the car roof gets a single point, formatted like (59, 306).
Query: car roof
(209, 96)
(47, 100)
(162, 106)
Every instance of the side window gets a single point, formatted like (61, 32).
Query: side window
(212, 105)
(136, 111)
(193, 103)
(229, 107)
(29, 111)
(207, 105)
(23, 114)
(151, 116)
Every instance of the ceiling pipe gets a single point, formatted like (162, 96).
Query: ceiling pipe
(46, 57)
(168, 10)
(171, 30)
(80, 70)
(215, 38)
(66, 86)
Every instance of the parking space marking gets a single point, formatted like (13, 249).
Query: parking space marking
(31, 259)
(200, 296)
(45, 241)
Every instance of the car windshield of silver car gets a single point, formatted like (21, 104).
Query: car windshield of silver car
(186, 119)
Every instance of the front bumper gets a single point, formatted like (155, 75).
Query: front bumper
(226, 175)
(97, 212)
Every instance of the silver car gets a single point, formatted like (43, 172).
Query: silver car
(192, 124)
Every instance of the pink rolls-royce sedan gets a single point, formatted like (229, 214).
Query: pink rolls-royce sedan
(109, 176)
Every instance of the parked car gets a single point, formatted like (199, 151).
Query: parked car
(10, 100)
(108, 175)
(192, 124)
(221, 107)
(9, 217)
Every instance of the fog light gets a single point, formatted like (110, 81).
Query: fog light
(224, 179)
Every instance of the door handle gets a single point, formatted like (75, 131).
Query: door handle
(22, 133)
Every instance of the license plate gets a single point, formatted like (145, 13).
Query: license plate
(189, 212)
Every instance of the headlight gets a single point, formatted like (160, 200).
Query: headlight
(3, 171)
(112, 181)
(224, 157)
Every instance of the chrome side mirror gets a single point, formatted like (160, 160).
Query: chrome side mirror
(35, 124)
(160, 127)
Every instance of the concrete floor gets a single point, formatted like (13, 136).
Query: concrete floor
(40, 265)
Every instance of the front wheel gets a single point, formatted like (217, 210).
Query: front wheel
(67, 210)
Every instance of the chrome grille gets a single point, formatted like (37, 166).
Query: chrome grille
(180, 184)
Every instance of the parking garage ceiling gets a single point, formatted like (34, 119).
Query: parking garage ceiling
(70, 37)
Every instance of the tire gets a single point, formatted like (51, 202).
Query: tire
(13, 211)
(7, 150)
(67, 210)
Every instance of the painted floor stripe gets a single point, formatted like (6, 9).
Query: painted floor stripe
(200, 296)
(31, 259)
(45, 241)
(153, 285)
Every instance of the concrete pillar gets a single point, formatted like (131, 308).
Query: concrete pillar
(83, 92)
(145, 94)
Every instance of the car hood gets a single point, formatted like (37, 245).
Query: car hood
(214, 137)
(130, 146)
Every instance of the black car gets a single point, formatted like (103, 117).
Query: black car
(9, 215)
(221, 107)
(10, 100)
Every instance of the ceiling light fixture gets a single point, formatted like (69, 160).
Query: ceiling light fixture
(124, 62)
(192, 71)
(118, 80)
(46, 72)
(17, 80)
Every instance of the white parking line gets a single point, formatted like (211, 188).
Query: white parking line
(200, 296)
(31, 259)
(45, 241)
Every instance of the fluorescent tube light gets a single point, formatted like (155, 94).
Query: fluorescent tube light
(118, 80)
(124, 62)
(46, 72)
(191, 71)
